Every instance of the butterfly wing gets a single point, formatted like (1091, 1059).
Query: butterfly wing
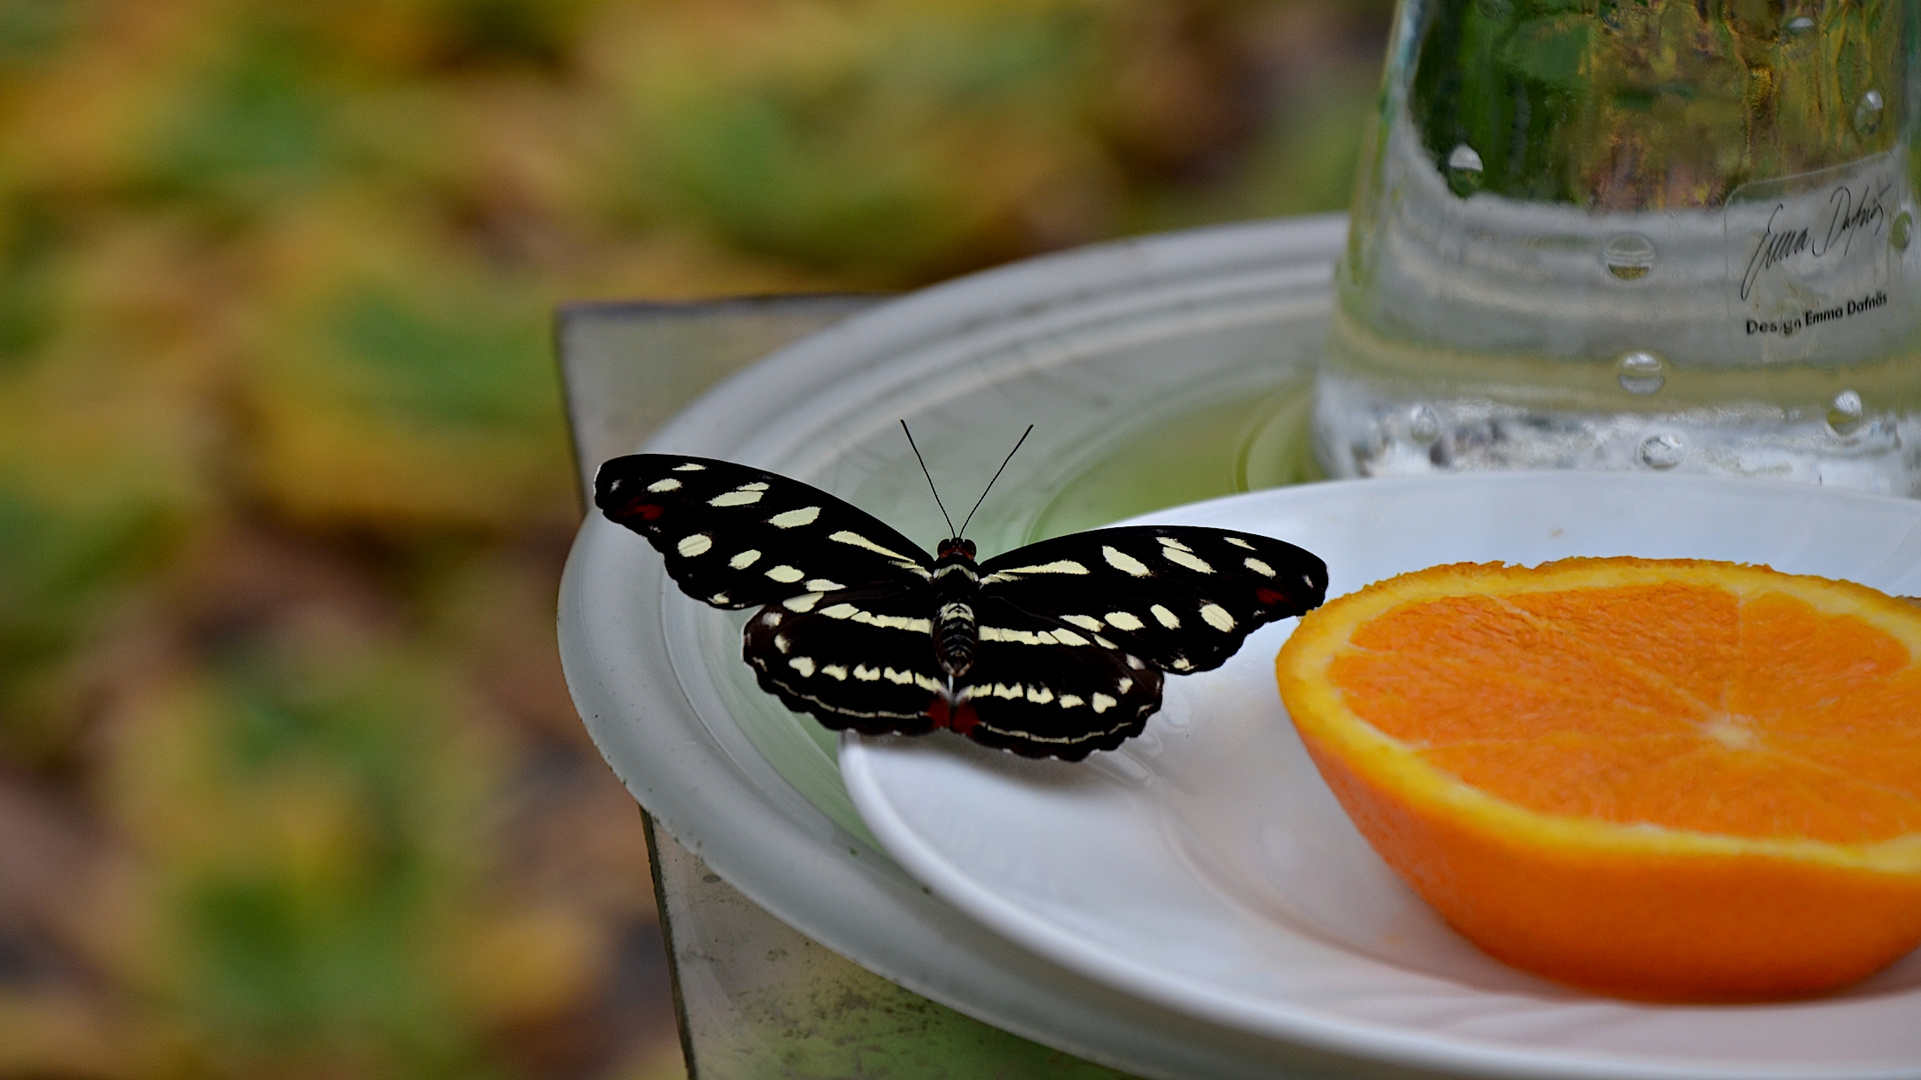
(1074, 632)
(1042, 688)
(860, 660)
(737, 537)
(1182, 598)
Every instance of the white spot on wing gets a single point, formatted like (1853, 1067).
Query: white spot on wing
(696, 544)
(1039, 695)
(1069, 701)
(1011, 693)
(835, 670)
(1085, 622)
(859, 541)
(744, 560)
(1102, 703)
(904, 678)
(821, 584)
(1191, 561)
(804, 602)
(865, 673)
(1170, 542)
(669, 484)
(1258, 566)
(785, 574)
(689, 467)
(1125, 620)
(1069, 637)
(793, 518)
(1165, 617)
(1058, 566)
(1121, 560)
(886, 622)
(1217, 617)
(734, 498)
(802, 664)
(1238, 542)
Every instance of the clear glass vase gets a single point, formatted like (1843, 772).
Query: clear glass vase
(1635, 234)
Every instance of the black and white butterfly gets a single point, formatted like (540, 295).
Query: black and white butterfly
(1056, 649)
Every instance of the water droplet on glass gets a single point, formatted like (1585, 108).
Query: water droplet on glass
(1464, 170)
(1901, 233)
(1628, 256)
(1663, 451)
(1799, 27)
(1422, 425)
(1867, 113)
(1641, 373)
(1846, 412)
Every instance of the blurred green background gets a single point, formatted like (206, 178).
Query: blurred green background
(289, 784)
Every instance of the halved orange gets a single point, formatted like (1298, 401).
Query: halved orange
(1670, 780)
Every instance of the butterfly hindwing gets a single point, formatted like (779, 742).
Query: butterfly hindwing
(860, 660)
(736, 537)
(1181, 598)
(1041, 688)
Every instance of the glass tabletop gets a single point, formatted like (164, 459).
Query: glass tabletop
(755, 997)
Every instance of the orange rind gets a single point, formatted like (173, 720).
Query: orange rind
(1665, 780)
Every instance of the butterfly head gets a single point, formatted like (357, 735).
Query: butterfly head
(956, 547)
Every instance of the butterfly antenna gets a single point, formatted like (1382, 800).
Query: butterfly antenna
(997, 476)
(930, 480)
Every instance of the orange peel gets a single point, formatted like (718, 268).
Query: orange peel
(1666, 780)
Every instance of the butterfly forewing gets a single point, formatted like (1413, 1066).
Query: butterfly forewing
(738, 537)
(1042, 688)
(1182, 599)
(860, 660)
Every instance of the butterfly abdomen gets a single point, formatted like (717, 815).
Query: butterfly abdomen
(955, 638)
(956, 587)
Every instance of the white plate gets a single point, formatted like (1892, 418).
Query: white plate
(1098, 343)
(1205, 866)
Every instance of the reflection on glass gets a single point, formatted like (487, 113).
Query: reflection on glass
(1663, 234)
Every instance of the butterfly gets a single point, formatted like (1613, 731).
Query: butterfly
(1056, 649)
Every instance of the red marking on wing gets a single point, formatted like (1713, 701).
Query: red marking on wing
(958, 719)
(639, 507)
(1268, 596)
